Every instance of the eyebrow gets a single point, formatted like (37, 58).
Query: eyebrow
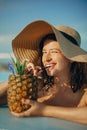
(52, 49)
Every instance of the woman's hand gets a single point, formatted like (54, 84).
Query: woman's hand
(32, 69)
(36, 109)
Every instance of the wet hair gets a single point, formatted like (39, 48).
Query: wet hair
(77, 70)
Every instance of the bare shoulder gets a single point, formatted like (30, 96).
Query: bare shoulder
(85, 93)
(85, 87)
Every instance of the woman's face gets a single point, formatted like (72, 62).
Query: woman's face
(53, 57)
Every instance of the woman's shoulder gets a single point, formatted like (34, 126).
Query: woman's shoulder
(85, 87)
(85, 93)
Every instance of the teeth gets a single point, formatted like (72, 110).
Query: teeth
(47, 66)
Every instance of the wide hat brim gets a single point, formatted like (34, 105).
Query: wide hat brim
(26, 44)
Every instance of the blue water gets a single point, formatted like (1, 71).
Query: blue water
(4, 61)
(4, 76)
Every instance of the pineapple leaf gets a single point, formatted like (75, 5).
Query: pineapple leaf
(18, 65)
(23, 67)
(14, 64)
(13, 61)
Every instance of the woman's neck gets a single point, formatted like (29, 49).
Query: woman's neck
(62, 80)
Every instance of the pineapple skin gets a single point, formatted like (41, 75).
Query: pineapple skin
(20, 87)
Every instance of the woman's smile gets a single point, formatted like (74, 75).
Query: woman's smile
(50, 66)
(53, 59)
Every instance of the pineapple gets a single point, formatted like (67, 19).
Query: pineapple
(21, 85)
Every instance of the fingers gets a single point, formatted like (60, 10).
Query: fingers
(30, 68)
(25, 113)
(29, 64)
(27, 61)
(37, 71)
(22, 114)
(27, 101)
(34, 70)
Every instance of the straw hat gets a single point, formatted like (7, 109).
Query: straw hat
(26, 44)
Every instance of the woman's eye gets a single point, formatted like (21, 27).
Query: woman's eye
(55, 51)
(44, 52)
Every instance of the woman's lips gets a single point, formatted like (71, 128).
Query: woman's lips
(50, 66)
(47, 66)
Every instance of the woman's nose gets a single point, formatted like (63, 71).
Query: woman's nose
(48, 57)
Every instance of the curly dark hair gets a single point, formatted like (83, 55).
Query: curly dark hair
(77, 70)
(78, 77)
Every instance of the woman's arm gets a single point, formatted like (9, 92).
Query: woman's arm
(3, 92)
(3, 99)
(73, 114)
(38, 109)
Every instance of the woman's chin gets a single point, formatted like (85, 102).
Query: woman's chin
(50, 74)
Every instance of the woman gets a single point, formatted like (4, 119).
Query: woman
(64, 92)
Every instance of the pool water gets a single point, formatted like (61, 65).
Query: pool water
(4, 71)
(4, 75)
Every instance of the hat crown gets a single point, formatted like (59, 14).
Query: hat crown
(71, 32)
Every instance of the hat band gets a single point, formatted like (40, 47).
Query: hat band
(70, 38)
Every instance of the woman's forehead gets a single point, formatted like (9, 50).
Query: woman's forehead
(50, 44)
